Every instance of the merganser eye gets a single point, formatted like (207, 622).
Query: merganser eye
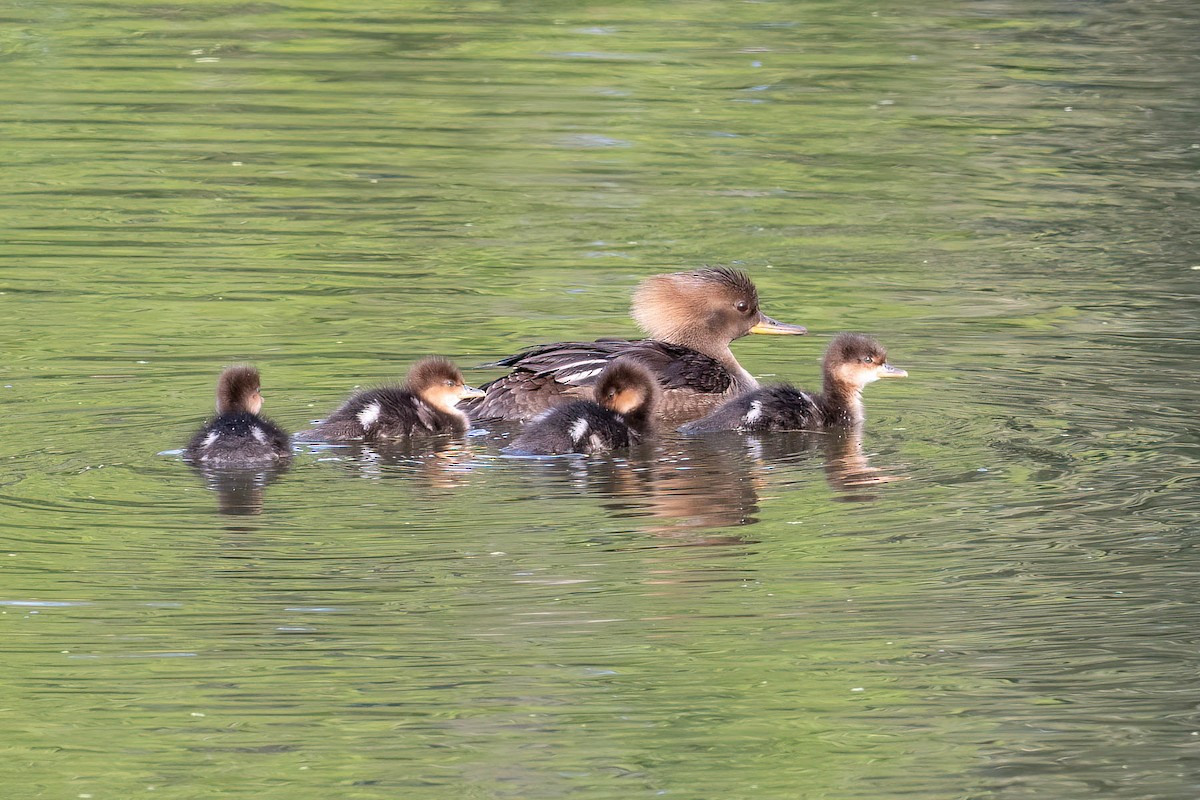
(869, 360)
(742, 306)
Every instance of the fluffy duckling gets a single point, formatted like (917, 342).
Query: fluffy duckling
(238, 435)
(622, 415)
(426, 403)
(851, 362)
(691, 318)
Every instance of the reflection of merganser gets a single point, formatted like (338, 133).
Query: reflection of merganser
(427, 403)
(691, 318)
(851, 362)
(238, 436)
(626, 394)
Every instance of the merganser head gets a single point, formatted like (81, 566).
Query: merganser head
(626, 387)
(855, 360)
(704, 309)
(439, 383)
(239, 391)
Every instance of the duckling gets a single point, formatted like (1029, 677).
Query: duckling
(627, 395)
(426, 403)
(691, 318)
(851, 362)
(238, 435)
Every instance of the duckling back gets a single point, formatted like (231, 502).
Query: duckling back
(239, 439)
(389, 412)
(427, 403)
(771, 408)
(578, 427)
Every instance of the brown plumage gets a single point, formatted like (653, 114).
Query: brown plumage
(425, 404)
(851, 361)
(238, 391)
(691, 318)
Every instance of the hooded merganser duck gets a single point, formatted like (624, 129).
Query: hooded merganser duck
(691, 317)
(622, 415)
(426, 403)
(238, 435)
(851, 362)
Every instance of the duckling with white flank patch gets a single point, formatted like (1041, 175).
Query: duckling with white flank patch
(691, 318)
(426, 404)
(851, 362)
(238, 435)
(627, 395)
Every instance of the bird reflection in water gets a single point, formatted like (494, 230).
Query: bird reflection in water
(686, 485)
(442, 462)
(679, 492)
(240, 489)
(679, 485)
(848, 471)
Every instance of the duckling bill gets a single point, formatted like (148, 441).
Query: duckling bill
(427, 403)
(691, 319)
(238, 435)
(851, 361)
(627, 394)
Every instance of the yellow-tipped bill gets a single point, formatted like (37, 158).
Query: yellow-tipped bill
(775, 328)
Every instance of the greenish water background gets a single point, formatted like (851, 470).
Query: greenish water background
(1004, 192)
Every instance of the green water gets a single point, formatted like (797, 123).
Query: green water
(995, 598)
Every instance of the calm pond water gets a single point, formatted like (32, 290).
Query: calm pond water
(994, 594)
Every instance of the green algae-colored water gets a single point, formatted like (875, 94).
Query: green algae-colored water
(996, 597)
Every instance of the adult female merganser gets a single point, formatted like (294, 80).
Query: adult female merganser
(626, 394)
(426, 403)
(691, 317)
(238, 435)
(851, 362)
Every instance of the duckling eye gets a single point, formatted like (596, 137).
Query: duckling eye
(449, 383)
(742, 306)
(869, 359)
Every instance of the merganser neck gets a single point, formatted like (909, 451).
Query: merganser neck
(841, 402)
(744, 380)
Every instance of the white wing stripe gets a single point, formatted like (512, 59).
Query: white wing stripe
(583, 362)
(578, 376)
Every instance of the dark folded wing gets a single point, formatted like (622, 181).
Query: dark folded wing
(580, 363)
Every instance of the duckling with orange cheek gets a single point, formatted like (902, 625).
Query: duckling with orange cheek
(627, 395)
(851, 362)
(691, 318)
(425, 404)
(238, 435)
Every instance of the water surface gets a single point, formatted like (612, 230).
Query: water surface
(991, 595)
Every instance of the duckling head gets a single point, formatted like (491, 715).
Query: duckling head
(855, 360)
(626, 387)
(704, 309)
(439, 383)
(239, 391)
